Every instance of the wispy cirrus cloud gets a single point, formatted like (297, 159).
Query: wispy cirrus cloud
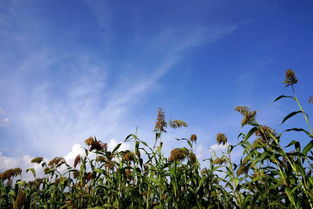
(3, 119)
(57, 97)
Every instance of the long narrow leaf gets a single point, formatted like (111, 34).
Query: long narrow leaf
(290, 115)
(294, 142)
(308, 147)
(300, 129)
(282, 96)
(252, 130)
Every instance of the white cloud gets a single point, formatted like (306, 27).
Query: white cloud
(77, 149)
(113, 143)
(6, 120)
(202, 152)
(22, 162)
(58, 112)
(219, 147)
(58, 98)
(11, 162)
(3, 119)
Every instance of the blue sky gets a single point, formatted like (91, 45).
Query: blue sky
(73, 69)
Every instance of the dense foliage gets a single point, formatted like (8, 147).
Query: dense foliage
(267, 176)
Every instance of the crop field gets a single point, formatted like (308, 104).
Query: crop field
(268, 175)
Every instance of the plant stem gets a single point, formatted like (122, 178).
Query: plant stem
(306, 118)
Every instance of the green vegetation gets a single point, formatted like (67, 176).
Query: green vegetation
(267, 176)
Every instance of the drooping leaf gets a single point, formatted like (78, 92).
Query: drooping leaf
(252, 130)
(300, 129)
(31, 170)
(130, 135)
(308, 147)
(290, 115)
(297, 145)
(282, 96)
(241, 134)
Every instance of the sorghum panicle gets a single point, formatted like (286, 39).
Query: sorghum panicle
(160, 124)
(37, 160)
(177, 124)
(290, 78)
(193, 138)
(221, 139)
(178, 154)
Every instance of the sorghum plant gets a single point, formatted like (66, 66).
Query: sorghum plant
(268, 175)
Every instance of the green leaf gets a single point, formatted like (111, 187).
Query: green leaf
(290, 115)
(137, 145)
(144, 143)
(117, 147)
(294, 142)
(241, 134)
(31, 170)
(189, 143)
(182, 139)
(300, 129)
(308, 147)
(252, 130)
(130, 135)
(282, 96)
(99, 170)
(157, 135)
(230, 148)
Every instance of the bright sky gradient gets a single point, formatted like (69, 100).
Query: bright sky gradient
(78, 68)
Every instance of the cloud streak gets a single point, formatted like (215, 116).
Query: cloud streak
(57, 97)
